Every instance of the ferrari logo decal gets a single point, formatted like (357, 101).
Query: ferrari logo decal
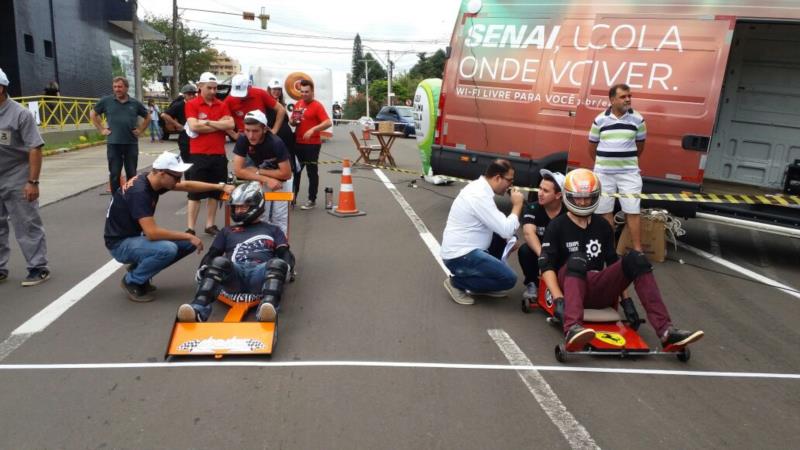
(610, 338)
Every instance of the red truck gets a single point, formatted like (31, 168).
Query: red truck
(717, 82)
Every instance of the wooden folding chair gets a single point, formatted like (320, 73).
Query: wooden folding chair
(365, 150)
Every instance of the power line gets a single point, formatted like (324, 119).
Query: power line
(318, 36)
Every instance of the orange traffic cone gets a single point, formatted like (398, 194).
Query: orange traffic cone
(347, 196)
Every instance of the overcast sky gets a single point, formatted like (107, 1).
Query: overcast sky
(403, 27)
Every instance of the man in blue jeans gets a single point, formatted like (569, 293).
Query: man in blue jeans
(132, 235)
(472, 220)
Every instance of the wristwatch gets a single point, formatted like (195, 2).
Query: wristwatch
(34, 182)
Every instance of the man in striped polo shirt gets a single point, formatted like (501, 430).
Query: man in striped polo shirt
(616, 141)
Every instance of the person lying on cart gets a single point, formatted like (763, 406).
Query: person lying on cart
(578, 254)
(248, 261)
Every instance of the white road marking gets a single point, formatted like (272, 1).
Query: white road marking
(424, 233)
(403, 365)
(54, 310)
(746, 272)
(181, 212)
(576, 435)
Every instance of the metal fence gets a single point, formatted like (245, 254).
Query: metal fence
(63, 112)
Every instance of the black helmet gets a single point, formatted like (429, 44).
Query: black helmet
(247, 194)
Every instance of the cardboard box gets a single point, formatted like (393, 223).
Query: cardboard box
(654, 244)
(385, 127)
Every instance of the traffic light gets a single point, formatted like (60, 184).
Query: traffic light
(264, 17)
(248, 15)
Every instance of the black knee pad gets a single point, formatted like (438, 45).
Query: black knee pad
(219, 269)
(277, 268)
(635, 264)
(211, 280)
(576, 266)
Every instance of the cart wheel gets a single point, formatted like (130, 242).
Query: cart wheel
(684, 354)
(526, 305)
(561, 354)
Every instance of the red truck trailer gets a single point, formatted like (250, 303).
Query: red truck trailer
(717, 82)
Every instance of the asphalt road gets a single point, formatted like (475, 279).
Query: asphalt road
(369, 293)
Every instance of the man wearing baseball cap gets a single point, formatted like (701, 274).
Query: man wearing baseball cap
(535, 218)
(261, 156)
(208, 120)
(244, 98)
(176, 115)
(20, 164)
(132, 235)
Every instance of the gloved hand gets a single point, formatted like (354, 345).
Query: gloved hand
(198, 276)
(630, 313)
(558, 312)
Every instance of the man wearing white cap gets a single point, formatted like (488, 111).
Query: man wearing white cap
(535, 218)
(208, 120)
(261, 156)
(244, 98)
(132, 235)
(20, 164)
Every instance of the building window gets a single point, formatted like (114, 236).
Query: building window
(48, 48)
(29, 44)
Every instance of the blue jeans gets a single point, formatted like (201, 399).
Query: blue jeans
(479, 272)
(119, 155)
(247, 277)
(155, 131)
(149, 257)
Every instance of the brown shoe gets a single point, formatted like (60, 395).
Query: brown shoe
(212, 230)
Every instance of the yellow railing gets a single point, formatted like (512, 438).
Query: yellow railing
(63, 112)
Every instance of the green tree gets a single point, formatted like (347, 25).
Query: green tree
(404, 87)
(357, 69)
(193, 47)
(429, 66)
(356, 107)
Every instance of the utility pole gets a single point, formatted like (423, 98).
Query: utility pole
(137, 79)
(388, 79)
(173, 86)
(366, 77)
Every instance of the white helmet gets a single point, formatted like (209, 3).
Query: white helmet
(581, 183)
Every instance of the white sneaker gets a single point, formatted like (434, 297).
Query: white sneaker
(308, 205)
(266, 312)
(186, 313)
(531, 291)
(459, 296)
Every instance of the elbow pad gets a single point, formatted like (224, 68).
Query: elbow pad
(546, 263)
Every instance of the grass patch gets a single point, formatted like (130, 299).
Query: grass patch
(85, 139)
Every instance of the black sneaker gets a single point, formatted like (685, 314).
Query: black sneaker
(577, 336)
(148, 287)
(36, 276)
(680, 338)
(190, 231)
(212, 230)
(136, 292)
(3, 276)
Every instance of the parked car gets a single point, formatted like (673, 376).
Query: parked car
(401, 116)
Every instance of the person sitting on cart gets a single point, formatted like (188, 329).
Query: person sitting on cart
(578, 254)
(249, 260)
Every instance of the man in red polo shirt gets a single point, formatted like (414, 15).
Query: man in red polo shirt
(244, 98)
(309, 117)
(208, 119)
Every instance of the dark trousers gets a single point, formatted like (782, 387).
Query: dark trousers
(308, 154)
(601, 289)
(120, 155)
(529, 263)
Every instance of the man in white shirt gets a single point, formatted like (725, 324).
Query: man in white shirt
(472, 220)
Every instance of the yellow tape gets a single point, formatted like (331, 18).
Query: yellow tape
(690, 197)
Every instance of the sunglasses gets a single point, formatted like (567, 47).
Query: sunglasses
(176, 176)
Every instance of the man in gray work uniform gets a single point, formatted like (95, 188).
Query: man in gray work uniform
(121, 131)
(20, 164)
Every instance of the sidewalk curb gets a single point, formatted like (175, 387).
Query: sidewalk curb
(58, 151)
